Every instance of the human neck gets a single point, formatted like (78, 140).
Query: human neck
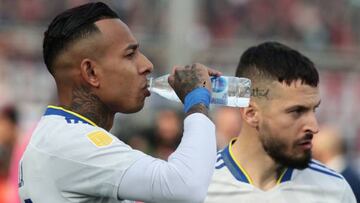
(84, 102)
(249, 153)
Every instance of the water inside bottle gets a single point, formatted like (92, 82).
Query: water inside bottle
(166, 93)
(238, 102)
(228, 91)
(161, 87)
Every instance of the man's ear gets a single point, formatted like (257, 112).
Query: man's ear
(250, 114)
(89, 72)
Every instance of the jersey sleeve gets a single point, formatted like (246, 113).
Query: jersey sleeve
(92, 170)
(186, 175)
(105, 166)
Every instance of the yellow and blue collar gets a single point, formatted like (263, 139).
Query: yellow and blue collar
(70, 117)
(239, 172)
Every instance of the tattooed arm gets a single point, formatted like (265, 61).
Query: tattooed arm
(198, 108)
(185, 79)
(187, 174)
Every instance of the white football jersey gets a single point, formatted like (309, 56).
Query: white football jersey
(315, 184)
(70, 159)
(63, 144)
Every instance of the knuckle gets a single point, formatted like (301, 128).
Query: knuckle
(198, 65)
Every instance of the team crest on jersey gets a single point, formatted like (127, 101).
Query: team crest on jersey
(100, 138)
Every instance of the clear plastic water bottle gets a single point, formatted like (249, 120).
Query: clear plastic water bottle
(227, 90)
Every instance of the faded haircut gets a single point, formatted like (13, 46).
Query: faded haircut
(72, 25)
(277, 62)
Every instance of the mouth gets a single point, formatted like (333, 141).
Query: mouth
(147, 93)
(306, 143)
(146, 90)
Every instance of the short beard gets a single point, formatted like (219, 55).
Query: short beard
(276, 149)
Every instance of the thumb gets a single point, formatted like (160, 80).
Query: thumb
(171, 80)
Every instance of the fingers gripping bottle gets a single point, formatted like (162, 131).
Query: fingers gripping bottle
(226, 90)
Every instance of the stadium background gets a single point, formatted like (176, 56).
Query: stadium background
(173, 32)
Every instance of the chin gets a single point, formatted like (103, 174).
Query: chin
(133, 109)
(299, 162)
(294, 160)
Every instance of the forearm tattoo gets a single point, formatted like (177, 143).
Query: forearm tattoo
(187, 80)
(198, 108)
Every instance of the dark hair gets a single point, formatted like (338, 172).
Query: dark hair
(71, 25)
(10, 112)
(275, 61)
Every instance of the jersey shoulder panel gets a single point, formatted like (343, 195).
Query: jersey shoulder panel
(223, 179)
(66, 136)
(317, 174)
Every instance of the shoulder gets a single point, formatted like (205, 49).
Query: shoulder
(220, 170)
(321, 170)
(222, 175)
(81, 142)
(224, 185)
(317, 180)
(319, 175)
(96, 146)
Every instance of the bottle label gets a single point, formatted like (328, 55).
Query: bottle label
(220, 90)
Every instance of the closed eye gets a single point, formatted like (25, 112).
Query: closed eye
(130, 55)
(131, 50)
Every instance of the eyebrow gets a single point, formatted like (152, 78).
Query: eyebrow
(301, 107)
(132, 46)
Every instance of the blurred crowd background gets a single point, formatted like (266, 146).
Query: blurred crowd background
(172, 32)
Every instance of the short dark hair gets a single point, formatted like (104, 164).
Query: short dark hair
(10, 112)
(71, 25)
(275, 61)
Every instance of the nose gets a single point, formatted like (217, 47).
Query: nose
(145, 64)
(312, 125)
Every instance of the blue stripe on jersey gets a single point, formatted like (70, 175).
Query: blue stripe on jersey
(233, 168)
(321, 165)
(327, 172)
(70, 118)
(219, 162)
(287, 175)
(219, 158)
(220, 166)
